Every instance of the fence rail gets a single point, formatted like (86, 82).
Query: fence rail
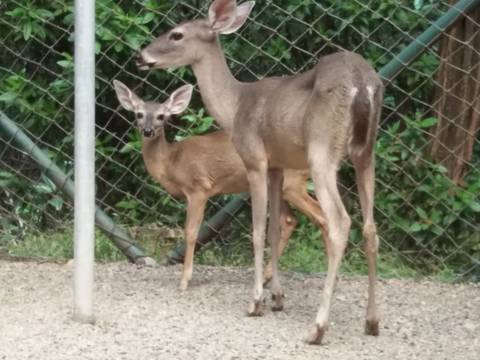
(427, 218)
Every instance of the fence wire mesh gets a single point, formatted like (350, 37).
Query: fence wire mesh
(427, 202)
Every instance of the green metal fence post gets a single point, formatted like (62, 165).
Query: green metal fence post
(119, 236)
(427, 38)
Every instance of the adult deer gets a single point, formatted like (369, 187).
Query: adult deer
(200, 167)
(306, 121)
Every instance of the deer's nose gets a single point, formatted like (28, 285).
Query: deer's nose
(147, 132)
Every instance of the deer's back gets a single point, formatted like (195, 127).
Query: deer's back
(279, 107)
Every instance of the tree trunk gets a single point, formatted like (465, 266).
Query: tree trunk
(457, 103)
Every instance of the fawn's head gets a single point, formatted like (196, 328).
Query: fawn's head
(152, 116)
(187, 43)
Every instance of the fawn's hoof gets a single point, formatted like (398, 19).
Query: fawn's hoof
(266, 279)
(267, 275)
(316, 336)
(184, 285)
(372, 328)
(257, 308)
(145, 261)
(277, 302)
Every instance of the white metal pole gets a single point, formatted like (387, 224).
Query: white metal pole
(84, 159)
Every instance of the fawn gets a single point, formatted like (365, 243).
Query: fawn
(202, 166)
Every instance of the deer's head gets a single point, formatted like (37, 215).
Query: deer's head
(152, 116)
(187, 43)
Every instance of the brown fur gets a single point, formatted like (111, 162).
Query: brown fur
(208, 164)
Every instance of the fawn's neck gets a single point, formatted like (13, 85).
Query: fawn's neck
(155, 150)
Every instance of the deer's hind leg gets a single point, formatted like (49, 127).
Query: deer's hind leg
(326, 137)
(324, 175)
(365, 175)
(364, 164)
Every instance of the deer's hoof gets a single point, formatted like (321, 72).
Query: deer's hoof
(372, 327)
(257, 308)
(316, 336)
(277, 301)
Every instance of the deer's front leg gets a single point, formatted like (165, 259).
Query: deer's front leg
(257, 178)
(195, 211)
(275, 196)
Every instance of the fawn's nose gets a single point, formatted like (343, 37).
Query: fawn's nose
(138, 59)
(147, 132)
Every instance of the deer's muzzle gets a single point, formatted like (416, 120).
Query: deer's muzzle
(141, 63)
(147, 132)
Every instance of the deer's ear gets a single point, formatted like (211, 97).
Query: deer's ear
(179, 100)
(127, 97)
(222, 14)
(241, 16)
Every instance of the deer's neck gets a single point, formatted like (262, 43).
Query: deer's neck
(155, 150)
(219, 89)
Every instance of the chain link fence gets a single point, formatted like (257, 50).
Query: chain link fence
(428, 152)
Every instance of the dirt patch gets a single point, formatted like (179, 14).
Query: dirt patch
(141, 314)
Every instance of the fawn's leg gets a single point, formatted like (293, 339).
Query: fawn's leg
(288, 223)
(195, 212)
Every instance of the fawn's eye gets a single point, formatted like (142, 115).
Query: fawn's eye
(176, 36)
(139, 115)
(160, 117)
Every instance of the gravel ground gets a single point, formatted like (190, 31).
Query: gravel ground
(141, 314)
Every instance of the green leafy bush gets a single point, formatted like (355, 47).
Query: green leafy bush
(430, 222)
(422, 217)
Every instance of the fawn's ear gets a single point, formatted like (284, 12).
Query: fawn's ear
(222, 14)
(241, 16)
(127, 97)
(179, 100)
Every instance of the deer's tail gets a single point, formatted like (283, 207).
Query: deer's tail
(365, 109)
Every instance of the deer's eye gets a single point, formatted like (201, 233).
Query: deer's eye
(160, 117)
(139, 115)
(176, 36)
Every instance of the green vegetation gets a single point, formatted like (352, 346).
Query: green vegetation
(58, 246)
(305, 253)
(427, 225)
